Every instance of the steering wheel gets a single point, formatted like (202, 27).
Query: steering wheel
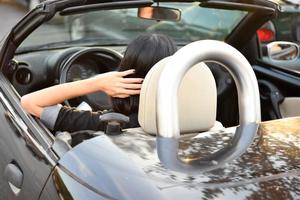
(98, 100)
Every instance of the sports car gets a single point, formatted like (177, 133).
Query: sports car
(216, 120)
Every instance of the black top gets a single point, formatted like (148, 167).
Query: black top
(71, 119)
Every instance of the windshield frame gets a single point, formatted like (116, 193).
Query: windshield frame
(179, 34)
(47, 10)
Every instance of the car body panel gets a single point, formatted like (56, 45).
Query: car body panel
(69, 188)
(51, 190)
(269, 168)
(106, 168)
(14, 150)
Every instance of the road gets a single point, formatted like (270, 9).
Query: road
(10, 14)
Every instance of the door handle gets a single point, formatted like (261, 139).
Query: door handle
(14, 176)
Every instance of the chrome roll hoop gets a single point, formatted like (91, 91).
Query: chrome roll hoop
(167, 111)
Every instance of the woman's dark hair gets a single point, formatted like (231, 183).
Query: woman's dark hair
(141, 54)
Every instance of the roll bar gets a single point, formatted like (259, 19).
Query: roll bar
(167, 111)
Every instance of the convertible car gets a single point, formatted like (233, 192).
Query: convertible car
(217, 121)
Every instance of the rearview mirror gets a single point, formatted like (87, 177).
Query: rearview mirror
(282, 51)
(159, 13)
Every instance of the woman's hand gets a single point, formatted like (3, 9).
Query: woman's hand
(114, 84)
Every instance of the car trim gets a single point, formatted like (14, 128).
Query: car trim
(56, 175)
(250, 7)
(47, 10)
(111, 5)
(167, 110)
(39, 133)
(23, 130)
(278, 75)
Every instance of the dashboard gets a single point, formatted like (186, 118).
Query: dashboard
(35, 70)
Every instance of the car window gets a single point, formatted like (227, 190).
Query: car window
(217, 20)
(120, 26)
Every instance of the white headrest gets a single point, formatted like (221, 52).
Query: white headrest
(197, 99)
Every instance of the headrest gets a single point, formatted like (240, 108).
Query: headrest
(197, 99)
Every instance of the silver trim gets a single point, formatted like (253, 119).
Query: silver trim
(188, 56)
(167, 111)
(27, 136)
(270, 46)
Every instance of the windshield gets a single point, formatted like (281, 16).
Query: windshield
(119, 27)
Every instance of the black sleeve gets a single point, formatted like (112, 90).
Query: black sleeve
(71, 120)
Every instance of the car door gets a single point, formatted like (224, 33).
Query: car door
(24, 163)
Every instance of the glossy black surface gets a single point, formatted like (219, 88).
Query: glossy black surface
(168, 148)
(127, 166)
(16, 152)
(70, 188)
(108, 170)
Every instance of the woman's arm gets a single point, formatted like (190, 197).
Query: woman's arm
(112, 83)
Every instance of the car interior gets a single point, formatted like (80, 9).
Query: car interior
(188, 107)
(279, 89)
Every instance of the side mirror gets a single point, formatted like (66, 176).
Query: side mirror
(159, 13)
(282, 51)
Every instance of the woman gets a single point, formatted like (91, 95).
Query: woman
(123, 86)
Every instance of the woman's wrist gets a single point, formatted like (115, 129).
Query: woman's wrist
(95, 84)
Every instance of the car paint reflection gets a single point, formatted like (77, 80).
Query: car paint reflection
(269, 169)
(127, 166)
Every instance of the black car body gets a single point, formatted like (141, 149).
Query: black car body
(35, 164)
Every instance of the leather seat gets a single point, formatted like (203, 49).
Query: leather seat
(197, 99)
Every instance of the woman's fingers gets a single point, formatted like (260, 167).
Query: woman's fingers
(129, 80)
(131, 86)
(124, 93)
(132, 80)
(127, 72)
(129, 92)
(118, 86)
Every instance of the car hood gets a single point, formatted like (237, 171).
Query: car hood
(127, 166)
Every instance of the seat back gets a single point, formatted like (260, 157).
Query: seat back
(197, 99)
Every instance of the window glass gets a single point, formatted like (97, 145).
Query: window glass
(119, 27)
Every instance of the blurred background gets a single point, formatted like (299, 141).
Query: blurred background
(11, 11)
